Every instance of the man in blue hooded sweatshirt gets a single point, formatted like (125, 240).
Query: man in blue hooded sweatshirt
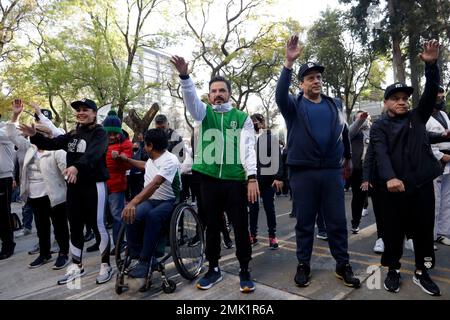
(318, 149)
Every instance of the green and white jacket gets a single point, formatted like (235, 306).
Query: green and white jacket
(226, 142)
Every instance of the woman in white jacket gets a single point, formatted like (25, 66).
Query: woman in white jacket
(42, 181)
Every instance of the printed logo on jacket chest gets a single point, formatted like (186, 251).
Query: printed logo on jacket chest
(77, 145)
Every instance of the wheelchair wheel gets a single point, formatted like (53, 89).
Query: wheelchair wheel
(170, 287)
(119, 287)
(187, 241)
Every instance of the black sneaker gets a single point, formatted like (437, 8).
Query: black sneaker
(355, 229)
(303, 275)
(228, 244)
(245, 281)
(345, 273)
(427, 285)
(41, 260)
(5, 253)
(392, 281)
(211, 278)
(61, 262)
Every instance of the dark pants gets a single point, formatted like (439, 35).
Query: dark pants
(359, 197)
(43, 212)
(27, 215)
(377, 205)
(186, 186)
(86, 204)
(6, 231)
(317, 190)
(152, 218)
(267, 196)
(218, 196)
(412, 213)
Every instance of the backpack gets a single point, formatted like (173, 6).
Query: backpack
(15, 222)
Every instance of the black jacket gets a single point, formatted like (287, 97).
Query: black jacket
(267, 160)
(401, 145)
(86, 150)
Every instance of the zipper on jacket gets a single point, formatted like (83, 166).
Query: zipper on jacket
(223, 147)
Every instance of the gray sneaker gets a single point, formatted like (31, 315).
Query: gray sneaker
(35, 249)
(105, 273)
(74, 271)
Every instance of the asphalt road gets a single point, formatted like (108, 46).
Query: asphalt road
(272, 270)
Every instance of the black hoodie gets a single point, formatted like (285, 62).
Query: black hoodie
(86, 150)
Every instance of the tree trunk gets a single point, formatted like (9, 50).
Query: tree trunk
(137, 124)
(415, 66)
(397, 58)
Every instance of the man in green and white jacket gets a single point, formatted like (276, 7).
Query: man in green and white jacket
(226, 159)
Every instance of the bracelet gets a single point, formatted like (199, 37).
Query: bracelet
(252, 180)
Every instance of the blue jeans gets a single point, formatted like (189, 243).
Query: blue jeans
(27, 215)
(152, 217)
(267, 196)
(116, 201)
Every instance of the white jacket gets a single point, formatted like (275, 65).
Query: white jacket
(434, 126)
(52, 164)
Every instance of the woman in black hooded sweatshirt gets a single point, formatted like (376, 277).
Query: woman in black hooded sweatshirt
(86, 176)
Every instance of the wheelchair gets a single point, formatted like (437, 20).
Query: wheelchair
(187, 246)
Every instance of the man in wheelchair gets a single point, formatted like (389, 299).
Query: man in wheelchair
(148, 213)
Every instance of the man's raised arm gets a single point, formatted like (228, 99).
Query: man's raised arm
(195, 106)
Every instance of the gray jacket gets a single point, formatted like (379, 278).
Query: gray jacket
(7, 154)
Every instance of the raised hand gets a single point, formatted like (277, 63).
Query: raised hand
(180, 65)
(362, 115)
(293, 49)
(430, 52)
(27, 130)
(34, 106)
(17, 106)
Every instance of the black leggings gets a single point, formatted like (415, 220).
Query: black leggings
(43, 212)
(86, 205)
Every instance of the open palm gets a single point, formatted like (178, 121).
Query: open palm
(431, 51)
(293, 49)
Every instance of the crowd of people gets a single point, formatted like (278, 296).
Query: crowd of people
(74, 180)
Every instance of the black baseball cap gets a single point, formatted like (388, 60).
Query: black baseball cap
(309, 66)
(397, 87)
(85, 103)
(160, 118)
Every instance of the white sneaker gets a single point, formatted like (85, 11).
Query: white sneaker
(443, 240)
(364, 213)
(74, 271)
(379, 246)
(409, 245)
(105, 273)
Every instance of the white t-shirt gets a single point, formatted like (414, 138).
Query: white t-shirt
(166, 166)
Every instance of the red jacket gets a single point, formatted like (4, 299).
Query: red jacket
(117, 169)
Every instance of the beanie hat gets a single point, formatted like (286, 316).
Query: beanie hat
(112, 123)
